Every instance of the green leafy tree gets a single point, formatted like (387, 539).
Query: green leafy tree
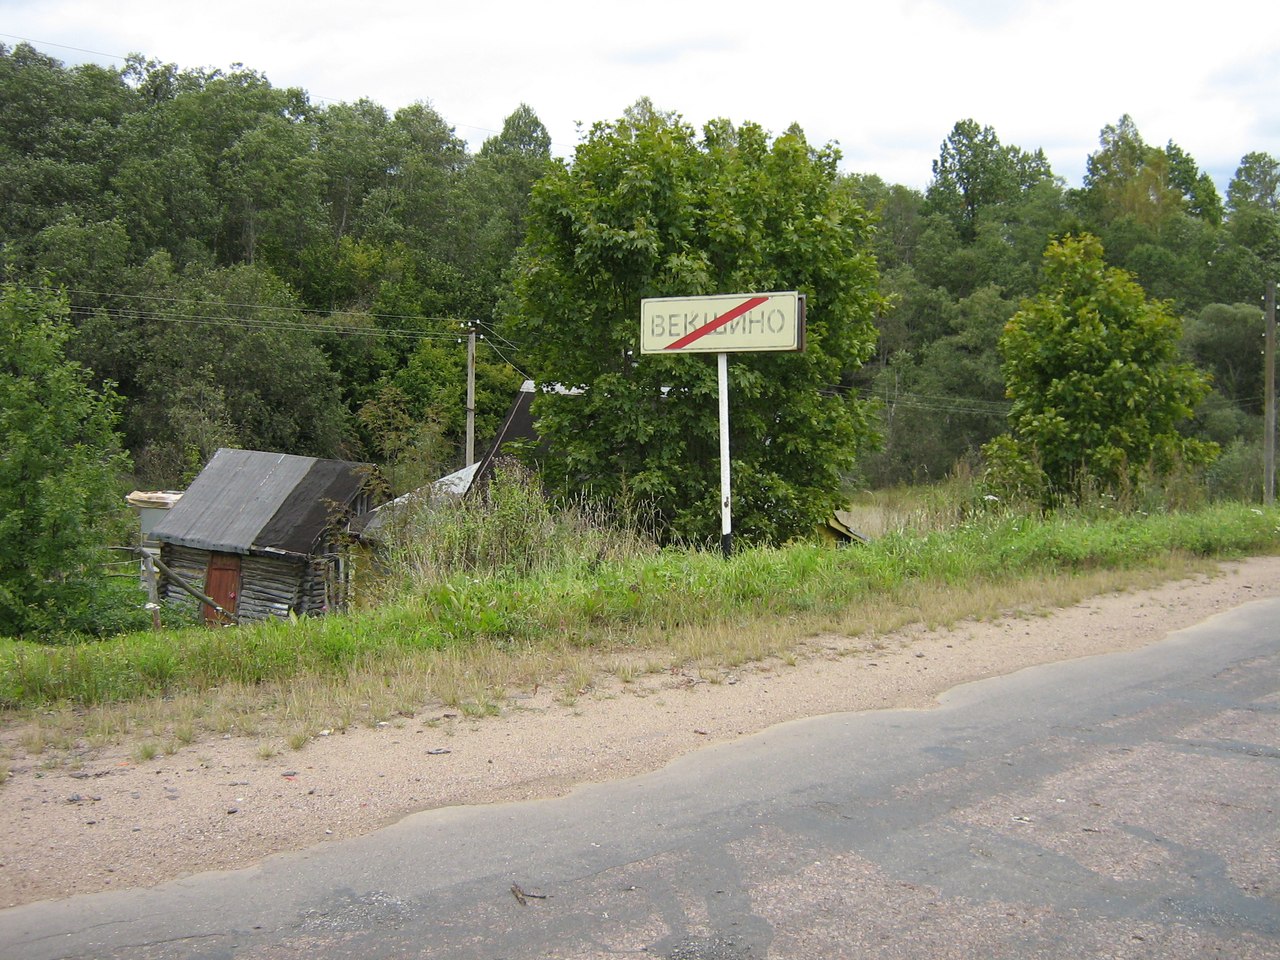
(975, 171)
(1255, 184)
(417, 203)
(1227, 341)
(410, 447)
(1157, 214)
(1253, 203)
(58, 473)
(435, 378)
(57, 140)
(272, 191)
(355, 159)
(210, 357)
(899, 215)
(1197, 187)
(499, 184)
(940, 407)
(1097, 386)
(650, 209)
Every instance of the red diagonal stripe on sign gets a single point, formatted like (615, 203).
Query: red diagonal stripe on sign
(717, 323)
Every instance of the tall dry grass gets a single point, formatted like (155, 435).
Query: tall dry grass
(467, 619)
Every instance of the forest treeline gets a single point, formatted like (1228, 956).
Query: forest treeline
(252, 269)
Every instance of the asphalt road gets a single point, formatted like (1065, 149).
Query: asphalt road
(1121, 806)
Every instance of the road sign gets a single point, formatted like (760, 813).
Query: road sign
(725, 323)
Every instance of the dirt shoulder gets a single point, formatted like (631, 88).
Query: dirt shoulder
(217, 804)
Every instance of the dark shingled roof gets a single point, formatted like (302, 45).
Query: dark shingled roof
(247, 501)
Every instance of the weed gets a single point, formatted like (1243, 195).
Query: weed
(35, 740)
(581, 676)
(267, 750)
(625, 669)
(147, 750)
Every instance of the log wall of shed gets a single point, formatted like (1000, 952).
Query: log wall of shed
(269, 586)
(188, 563)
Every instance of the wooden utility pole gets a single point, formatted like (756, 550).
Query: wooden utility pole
(1269, 438)
(471, 395)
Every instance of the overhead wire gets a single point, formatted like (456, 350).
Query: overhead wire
(223, 304)
(261, 323)
(490, 338)
(501, 356)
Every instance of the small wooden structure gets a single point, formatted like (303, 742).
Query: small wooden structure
(264, 535)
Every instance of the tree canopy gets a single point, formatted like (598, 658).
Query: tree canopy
(58, 473)
(648, 208)
(250, 267)
(1097, 386)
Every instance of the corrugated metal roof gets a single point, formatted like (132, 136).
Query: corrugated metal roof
(455, 484)
(248, 501)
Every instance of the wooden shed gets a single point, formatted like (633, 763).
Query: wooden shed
(263, 534)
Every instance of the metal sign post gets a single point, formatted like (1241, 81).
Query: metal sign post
(1269, 401)
(726, 509)
(737, 323)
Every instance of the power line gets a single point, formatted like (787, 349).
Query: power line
(930, 402)
(63, 46)
(505, 359)
(260, 323)
(943, 403)
(193, 301)
(957, 406)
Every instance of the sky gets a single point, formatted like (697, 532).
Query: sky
(885, 80)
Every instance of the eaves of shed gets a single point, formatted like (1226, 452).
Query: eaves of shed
(253, 502)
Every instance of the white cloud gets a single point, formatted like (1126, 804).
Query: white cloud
(887, 79)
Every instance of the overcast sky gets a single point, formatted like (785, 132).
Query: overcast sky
(887, 80)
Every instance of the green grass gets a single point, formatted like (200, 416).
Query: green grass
(540, 610)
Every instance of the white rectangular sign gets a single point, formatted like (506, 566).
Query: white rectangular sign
(725, 323)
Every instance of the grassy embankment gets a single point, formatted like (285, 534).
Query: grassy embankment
(484, 612)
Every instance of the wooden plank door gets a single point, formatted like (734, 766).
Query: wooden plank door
(222, 585)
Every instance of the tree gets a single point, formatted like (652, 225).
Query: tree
(1097, 387)
(899, 216)
(974, 171)
(1109, 170)
(58, 474)
(1227, 341)
(210, 357)
(1253, 199)
(1157, 214)
(1256, 183)
(648, 209)
(499, 183)
(57, 141)
(1196, 186)
(355, 159)
(940, 407)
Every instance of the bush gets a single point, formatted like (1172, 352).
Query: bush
(508, 529)
(1238, 472)
(58, 473)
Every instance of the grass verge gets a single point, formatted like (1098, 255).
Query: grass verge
(466, 640)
